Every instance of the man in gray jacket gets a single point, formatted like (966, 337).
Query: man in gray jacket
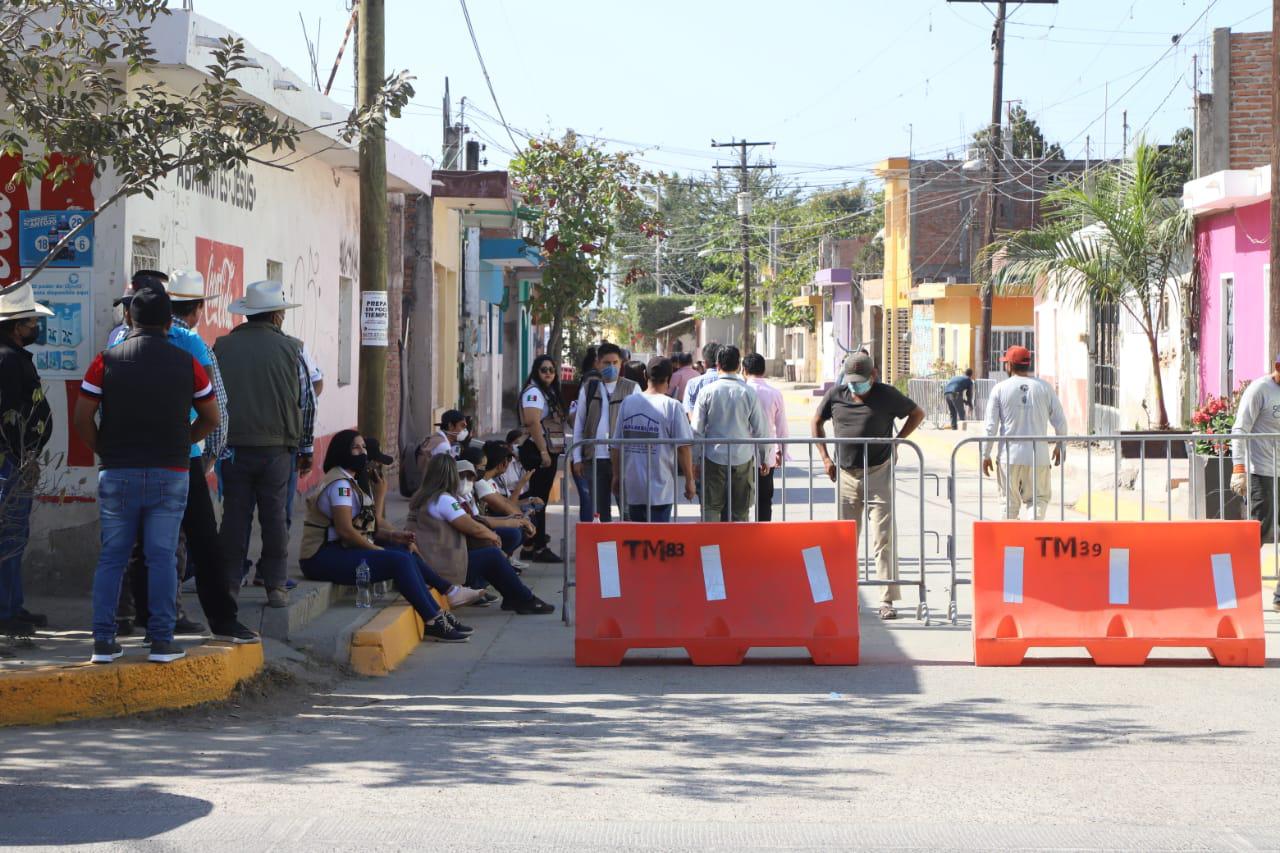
(271, 407)
(728, 409)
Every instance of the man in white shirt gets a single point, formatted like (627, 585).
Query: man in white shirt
(697, 383)
(597, 413)
(728, 409)
(1255, 470)
(775, 422)
(1023, 405)
(644, 477)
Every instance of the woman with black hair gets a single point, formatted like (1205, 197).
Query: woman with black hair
(542, 412)
(339, 534)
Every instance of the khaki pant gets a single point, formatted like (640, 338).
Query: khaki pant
(717, 480)
(878, 491)
(1024, 487)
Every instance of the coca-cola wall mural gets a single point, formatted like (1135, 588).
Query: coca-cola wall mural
(222, 265)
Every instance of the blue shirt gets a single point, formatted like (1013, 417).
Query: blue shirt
(958, 384)
(185, 340)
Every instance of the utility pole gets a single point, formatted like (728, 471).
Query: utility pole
(744, 215)
(1274, 283)
(995, 153)
(374, 316)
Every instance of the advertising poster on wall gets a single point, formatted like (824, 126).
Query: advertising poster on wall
(41, 230)
(375, 318)
(64, 346)
(222, 266)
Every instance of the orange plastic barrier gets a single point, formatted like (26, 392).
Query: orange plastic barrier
(717, 590)
(1118, 588)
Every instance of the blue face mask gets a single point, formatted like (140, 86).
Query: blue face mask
(608, 372)
(859, 388)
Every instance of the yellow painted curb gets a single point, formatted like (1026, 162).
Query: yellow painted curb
(386, 640)
(1108, 506)
(54, 694)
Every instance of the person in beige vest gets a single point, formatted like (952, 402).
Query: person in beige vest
(598, 402)
(340, 534)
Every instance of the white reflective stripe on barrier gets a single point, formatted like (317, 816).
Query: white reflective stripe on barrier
(1119, 576)
(819, 581)
(713, 573)
(607, 556)
(1224, 582)
(1012, 574)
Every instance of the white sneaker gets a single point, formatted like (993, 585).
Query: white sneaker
(461, 596)
(517, 563)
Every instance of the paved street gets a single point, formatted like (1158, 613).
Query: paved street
(503, 744)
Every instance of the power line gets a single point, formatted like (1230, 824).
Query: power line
(488, 82)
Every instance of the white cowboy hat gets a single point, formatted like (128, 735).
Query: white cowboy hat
(261, 297)
(185, 286)
(20, 304)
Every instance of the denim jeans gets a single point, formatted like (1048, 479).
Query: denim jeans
(412, 577)
(256, 476)
(15, 527)
(595, 490)
(512, 538)
(586, 508)
(656, 513)
(133, 502)
(490, 567)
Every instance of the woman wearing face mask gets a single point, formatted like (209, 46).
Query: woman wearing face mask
(339, 535)
(452, 433)
(444, 525)
(542, 413)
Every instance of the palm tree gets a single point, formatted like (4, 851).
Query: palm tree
(1109, 238)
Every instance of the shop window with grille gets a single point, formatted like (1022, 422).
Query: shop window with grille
(146, 254)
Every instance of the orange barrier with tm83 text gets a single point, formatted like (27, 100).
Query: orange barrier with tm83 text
(717, 590)
(1117, 588)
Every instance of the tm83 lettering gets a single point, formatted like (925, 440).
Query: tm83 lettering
(1069, 546)
(659, 550)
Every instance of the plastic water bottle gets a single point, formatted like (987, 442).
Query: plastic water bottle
(364, 591)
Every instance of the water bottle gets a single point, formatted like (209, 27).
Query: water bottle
(364, 591)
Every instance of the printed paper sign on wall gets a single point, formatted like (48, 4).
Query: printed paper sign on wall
(64, 347)
(375, 318)
(41, 230)
(223, 268)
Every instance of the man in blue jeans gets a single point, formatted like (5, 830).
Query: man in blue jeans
(145, 388)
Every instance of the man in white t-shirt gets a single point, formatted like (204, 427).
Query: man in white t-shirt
(1023, 405)
(1255, 470)
(597, 413)
(644, 477)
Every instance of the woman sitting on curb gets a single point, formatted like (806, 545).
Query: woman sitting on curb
(444, 527)
(339, 536)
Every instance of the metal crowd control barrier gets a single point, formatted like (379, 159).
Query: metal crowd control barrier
(790, 472)
(1200, 464)
(928, 394)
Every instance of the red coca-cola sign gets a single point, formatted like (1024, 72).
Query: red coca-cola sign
(223, 268)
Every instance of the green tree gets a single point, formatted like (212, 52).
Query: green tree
(583, 198)
(1174, 163)
(76, 81)
(1131, 244)
(1028, 140)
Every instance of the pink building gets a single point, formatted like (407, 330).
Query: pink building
(1233, 249)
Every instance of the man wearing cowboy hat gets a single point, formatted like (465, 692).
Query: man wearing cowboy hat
(271, 405)
(26, 423)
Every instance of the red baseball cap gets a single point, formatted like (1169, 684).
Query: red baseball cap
(1017, 355)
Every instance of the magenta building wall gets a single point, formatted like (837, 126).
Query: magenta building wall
(1236, 243)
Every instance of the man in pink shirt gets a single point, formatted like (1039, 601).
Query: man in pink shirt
(685, 372)
(775, 420)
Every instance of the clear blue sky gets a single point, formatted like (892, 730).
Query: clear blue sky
(835, 84)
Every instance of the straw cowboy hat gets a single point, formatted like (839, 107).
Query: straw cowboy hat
(185, 286)
(20, 304)
(261, 297)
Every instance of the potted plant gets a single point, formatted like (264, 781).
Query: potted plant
(1212, 463)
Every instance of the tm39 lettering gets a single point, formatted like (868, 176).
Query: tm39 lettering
(1068, 546)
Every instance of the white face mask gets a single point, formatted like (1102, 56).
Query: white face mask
(465, 488)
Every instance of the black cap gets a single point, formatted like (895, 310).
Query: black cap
(374, 451)
(150, 306)
(143, 276)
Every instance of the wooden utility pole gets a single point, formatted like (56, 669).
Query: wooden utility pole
(995, 154)
(371, 414)
(744, 216)
(1274, 283)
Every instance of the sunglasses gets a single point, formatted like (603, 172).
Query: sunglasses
(546, 368)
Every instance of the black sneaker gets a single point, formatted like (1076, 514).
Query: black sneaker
(546, 555)
(485, 600)
(124, 627)
(35, 620)
(162, 652)
(183, 625)
(455, 624)
(533, 607)
(441, 631)
(105, 651)
(16, 628)
(236, 633)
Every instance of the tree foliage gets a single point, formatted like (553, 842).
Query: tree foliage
(583, 198)
(1027, 140)
(1175, 163)
(1109, 239)
(77, 80)
(653, 312)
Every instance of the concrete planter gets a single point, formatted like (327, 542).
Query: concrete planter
(1214, 498)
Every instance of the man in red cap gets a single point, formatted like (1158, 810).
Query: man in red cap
(1023, 405)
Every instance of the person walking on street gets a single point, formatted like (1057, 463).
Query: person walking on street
(861, 407)
(695, 385)
(648, 473)
(775, 422)
(26, 423)
(1254, 472)
(728, 409)
(543, 414)
(1023, 405)
(685, 373)
(145, 389)
(597, 413)
(958, 392)
(271, 405)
